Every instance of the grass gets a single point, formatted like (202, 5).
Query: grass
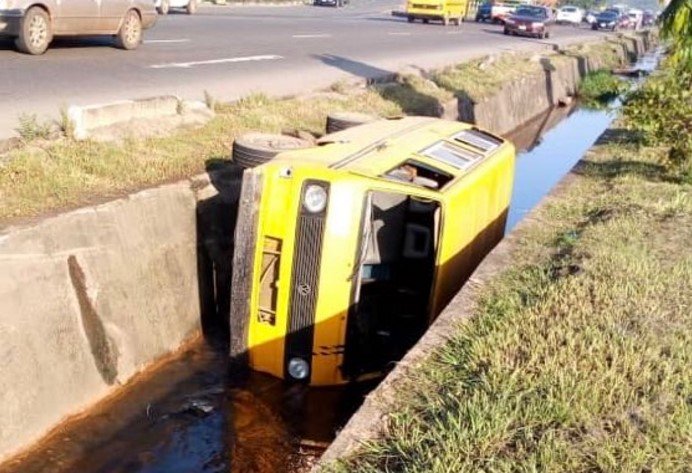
(580, 355)
(31, 128)
(600, 87)
(484, 76)
(56, 175)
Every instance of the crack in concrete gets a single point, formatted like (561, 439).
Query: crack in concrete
(105, 357)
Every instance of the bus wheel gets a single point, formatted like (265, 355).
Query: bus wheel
(338, 121)
(253, 149)
(410, 19)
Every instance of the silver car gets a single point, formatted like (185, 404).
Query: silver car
(34, 23)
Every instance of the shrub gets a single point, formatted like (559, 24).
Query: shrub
(660, 113)
(30, 128)
(600, 87)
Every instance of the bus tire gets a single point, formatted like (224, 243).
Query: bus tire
(252, 149)
(338, 121)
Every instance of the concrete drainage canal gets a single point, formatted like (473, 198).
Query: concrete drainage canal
(188, 415)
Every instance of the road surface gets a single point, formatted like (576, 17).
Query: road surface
(232, 51)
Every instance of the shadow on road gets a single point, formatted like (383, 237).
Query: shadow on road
(355, 68)
(7, 44)
(401, 89)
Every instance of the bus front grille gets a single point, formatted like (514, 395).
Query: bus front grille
(304, 283)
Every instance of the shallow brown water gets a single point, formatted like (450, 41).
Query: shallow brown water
(188, 415)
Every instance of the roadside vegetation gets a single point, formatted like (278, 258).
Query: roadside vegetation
(578, 357)
(46, 175)
(599, 88)
(660, 114)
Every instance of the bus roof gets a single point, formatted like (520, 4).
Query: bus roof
(378, 147)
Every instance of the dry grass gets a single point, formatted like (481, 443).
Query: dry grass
(47, 176)
(482, 77)
(580, 356)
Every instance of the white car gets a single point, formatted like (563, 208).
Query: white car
(570, 14)
(164, 6)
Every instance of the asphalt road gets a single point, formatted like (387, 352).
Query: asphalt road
(232, 51)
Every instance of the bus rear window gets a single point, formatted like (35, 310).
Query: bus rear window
(419, 174)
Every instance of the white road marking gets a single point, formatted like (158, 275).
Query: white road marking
(152, 41)
(319, 35)
(229, 60)
(396, 33)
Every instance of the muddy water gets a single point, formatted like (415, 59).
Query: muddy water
(188, 415)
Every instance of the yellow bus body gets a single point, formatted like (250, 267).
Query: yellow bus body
(275, 271)
(439, 10)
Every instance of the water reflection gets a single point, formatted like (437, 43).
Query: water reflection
(541, 167)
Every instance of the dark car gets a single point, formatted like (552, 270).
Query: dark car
(607, 20)
(529, 20)
(485, 12)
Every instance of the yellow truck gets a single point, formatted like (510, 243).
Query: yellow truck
(446, 11)
(348, 250)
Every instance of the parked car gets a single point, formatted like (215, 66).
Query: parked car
(34, 26)
(330, 3)
(530, 20)
(346, 252)
(446, 11)
(570, 15)
(164, 6)
(607, 20)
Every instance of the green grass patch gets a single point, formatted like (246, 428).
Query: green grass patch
(579, 356)
(601, 87)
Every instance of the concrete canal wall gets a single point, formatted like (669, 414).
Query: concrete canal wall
(516, 102)
(91, 297)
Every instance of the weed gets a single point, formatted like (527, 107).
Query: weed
(599, 88)
(30, 128)
(65, 123)
(210, 101)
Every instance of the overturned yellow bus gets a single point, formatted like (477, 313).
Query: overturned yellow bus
(348, 250)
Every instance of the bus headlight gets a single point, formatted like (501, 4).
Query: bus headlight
(298, 368)
(315, 198)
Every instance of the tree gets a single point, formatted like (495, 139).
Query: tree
(676, 26)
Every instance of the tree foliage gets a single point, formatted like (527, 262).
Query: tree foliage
(660, 112)
(676, 26)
